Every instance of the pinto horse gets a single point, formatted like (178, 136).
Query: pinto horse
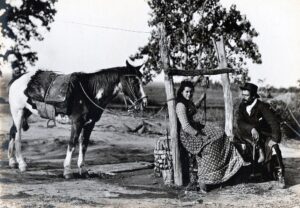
(90, 94)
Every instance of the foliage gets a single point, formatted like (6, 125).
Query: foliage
(284, 113)
(20, 24)
(190, 27)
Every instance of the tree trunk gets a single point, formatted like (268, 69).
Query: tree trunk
(169, 87)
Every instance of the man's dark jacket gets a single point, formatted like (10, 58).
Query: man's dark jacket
(262, 118)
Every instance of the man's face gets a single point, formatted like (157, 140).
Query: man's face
(247, 98)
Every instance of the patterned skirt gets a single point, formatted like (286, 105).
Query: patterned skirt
(217, 158)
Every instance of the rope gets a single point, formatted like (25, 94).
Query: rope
(292, 115)
(108, 27)
(95, 104)
(290, 127)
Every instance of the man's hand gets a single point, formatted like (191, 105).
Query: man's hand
(271, 143)
(255, 134)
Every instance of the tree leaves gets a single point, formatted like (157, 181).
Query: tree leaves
(21, 24)
(190, 26)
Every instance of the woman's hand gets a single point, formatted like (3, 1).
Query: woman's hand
(200, 132)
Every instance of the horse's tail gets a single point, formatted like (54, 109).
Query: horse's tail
(25, 126)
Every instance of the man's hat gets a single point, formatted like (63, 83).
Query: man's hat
(252, 88)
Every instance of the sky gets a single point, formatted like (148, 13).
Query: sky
(85, 36)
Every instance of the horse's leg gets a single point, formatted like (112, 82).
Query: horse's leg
(20, 110)
(17, 118)
(75, 132)
(11, 147)
(83, 144)
(26, 115)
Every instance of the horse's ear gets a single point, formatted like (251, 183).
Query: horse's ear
(135, 68)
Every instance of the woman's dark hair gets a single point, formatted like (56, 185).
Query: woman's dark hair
(183, 84)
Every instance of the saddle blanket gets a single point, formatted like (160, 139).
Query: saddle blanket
(48, 87)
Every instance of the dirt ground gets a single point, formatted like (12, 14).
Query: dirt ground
(121, 167)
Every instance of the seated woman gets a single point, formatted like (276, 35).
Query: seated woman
(217, 159)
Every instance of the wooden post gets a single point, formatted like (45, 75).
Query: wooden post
(169, 87)
(220, 49)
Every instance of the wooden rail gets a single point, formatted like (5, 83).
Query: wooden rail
(178, 72)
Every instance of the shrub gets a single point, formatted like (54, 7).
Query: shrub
(287, 113)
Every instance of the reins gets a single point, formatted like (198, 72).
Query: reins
(136, 102)
(95, 104)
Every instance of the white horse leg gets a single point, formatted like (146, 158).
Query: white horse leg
(80, 163)
(11, 154)
(17, 117)
(83, 144)
(67, 162)
(75, 132)
(17, 103)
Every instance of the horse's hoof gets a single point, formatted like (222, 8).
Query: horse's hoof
(12, 163)
(68, 176)
(22, 167)
(84, 173)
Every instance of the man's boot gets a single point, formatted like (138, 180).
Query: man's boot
(279, 168)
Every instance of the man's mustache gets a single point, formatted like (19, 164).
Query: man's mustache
(248, 102)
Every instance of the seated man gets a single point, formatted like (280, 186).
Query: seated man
(258, 125)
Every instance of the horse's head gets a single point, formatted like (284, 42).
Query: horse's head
(132, 86)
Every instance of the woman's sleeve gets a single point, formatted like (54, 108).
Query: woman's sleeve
(181, 114)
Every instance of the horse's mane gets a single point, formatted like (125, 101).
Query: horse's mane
(104, 78)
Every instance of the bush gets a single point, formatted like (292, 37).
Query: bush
(287, 113)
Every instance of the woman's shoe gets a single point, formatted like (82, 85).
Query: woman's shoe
(202, 188)
(192, 186)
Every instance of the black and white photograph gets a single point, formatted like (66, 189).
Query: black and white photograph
(149, 103)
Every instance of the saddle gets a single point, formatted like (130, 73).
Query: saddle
(58, 90)
(50, 92)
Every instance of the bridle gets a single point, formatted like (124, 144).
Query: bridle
(137, 101)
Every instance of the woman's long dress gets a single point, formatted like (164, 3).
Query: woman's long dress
(217, 158)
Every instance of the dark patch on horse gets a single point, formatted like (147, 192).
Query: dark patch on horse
(26, 114)
(12, 132)
(105, 79)
(38, 85)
